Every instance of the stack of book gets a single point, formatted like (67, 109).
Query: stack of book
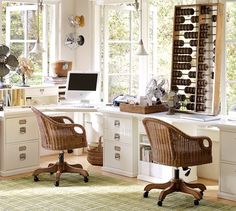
(146, 154)
(55, 80)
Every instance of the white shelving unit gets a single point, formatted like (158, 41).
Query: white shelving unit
(153, 172)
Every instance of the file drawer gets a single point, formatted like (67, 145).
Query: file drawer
(21, 129)
(227, 180)
(116, 136)
(40, 91)
(21, 155)
(121, 125)
(228, 143)
(118, 156)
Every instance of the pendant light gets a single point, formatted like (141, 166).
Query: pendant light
(38, 48)
(141, 50)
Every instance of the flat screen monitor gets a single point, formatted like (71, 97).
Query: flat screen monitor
(81, 86)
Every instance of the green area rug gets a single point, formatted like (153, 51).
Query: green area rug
(100, 193)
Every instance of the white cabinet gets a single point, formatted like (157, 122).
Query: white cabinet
(43, 95)
(120, 145)
(35, 95)
(153, 172)
(227, 184)
(19, 142)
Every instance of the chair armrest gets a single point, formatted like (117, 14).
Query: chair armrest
(201, 139)
(61, 119)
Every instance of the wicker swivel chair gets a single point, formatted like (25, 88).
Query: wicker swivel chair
(172, 147)
(57, 135)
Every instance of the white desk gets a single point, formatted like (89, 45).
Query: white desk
(127, 137)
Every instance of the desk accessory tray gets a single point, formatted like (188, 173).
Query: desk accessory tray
(132, 108)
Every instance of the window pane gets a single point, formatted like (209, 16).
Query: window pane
(17, 23)
(119, 24)
(32, 25)
(231, 61)
(119, 61)
(118, 84)
(17, 49)
(231, 95)
(230, 21)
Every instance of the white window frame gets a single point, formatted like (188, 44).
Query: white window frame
(106, 42)
(54, 34)
(24, 8)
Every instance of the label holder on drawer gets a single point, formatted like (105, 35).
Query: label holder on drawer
(117, 156)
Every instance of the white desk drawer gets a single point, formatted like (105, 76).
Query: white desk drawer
(22, 155)
(227, 180)
(118, 136)
(40, 91)
(228, 141)
(118, 156)
(21, 129)
(122, 125)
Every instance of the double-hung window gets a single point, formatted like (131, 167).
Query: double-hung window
(19, 24)
(119, 43)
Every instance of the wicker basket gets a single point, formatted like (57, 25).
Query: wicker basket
(95, 155)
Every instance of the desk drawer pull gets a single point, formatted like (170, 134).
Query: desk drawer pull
(117, 123)
(22, 148)
(117, 136)
(22, 130)
(22, 156)
(22, 121)
(41, 91)
(116, 148)
(117, 156)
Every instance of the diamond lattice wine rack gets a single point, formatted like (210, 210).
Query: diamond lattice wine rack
(197, 57)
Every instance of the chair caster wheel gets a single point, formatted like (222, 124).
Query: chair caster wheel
(196, 202)
(51, 173)
(145, 194)
(36, 179)
(159, 203)
(56, 183)
(86, 179)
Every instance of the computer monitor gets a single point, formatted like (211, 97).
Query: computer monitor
(81, 87)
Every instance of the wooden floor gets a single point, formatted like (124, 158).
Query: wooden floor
(209, 194)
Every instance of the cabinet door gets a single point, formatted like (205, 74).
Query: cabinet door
(21, 129)
(227, 178)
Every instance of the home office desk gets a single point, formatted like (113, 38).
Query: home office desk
(123, 139)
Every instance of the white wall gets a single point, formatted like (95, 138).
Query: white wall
(82, 57)
(67, 9)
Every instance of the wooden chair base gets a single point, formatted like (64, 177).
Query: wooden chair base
(177, 185)
(59, 168)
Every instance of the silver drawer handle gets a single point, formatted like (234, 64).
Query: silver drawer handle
(117, 123)
(117, 156)
(22, 121)
(116, 148)
(22, 148)
(22, 156)
(22, 130)
(117, 136)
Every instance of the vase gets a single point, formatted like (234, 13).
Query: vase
(24, 80)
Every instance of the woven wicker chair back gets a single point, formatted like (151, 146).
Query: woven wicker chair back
(57, 135)
(170, 146)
